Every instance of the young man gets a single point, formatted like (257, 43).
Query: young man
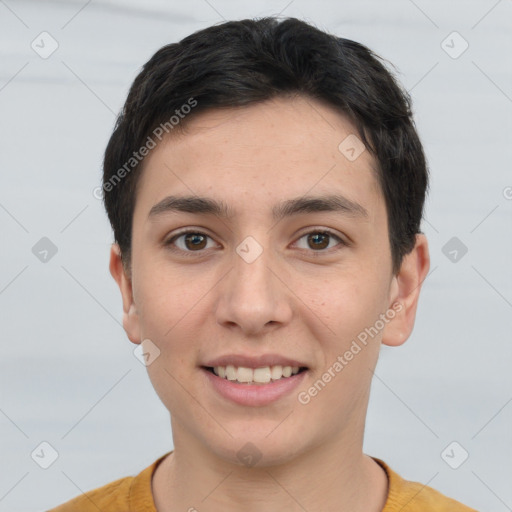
(265, 184)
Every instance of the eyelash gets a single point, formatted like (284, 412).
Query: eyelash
(170, 243)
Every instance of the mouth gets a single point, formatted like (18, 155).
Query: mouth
(255, 376)
(253, 381)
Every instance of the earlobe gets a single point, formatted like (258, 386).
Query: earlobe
(405, 292)
(131, 322)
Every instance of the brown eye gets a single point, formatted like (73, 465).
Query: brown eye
(190, 241)
(195, 241)
(318, 240)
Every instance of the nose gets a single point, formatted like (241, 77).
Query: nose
(253, 296)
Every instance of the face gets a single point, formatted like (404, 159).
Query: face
(284, 266)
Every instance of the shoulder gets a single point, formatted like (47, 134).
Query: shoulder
(112, 496)
(128, 493)
(410, 496)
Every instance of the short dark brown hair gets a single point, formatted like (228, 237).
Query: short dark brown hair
(239, 63)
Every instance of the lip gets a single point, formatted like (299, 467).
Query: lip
(253, 362)
(254, 395)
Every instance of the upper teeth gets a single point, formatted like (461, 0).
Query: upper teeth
(260, 375)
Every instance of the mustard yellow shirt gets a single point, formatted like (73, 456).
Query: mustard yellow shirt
(133, 494)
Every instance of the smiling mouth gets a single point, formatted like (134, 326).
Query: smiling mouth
(262, 375)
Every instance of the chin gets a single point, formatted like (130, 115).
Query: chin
(257, 447)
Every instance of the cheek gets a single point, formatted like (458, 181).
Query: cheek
(169, 317)
(349, 302)
(168, 325)
(350, 348)
(166, 299)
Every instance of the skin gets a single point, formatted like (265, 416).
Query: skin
(287, 302)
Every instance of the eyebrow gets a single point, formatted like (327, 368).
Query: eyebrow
(288, 208)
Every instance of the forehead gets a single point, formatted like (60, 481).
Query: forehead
(280, 148)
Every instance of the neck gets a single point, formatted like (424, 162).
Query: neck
(334, 476)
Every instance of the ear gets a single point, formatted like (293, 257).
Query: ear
(131, 322)
(405, 291)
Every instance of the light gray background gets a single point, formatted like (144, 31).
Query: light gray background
(68, 375)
